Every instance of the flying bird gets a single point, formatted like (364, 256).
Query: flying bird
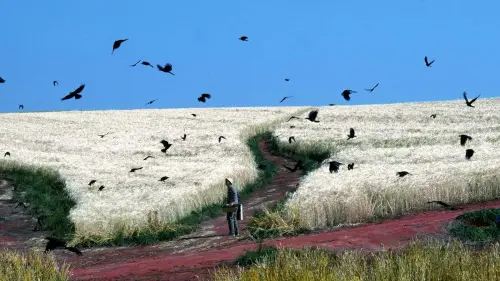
(292, 126)
(402, 174)
(102, 136)
(58, 243)
(151, 101)
(203, 97)
(313, 114)
(167, 68)
(194, 115)
(92, 182)
(468, 153)
(184, 137)
(350, 166)
(147, 64)
(101, 187)
(347, 94)
(286, 79)
(351, 134)
(464, 139)
(331, 104)
(164, 178)
(445, 205)
(135, 169)
(6, 154)
(334, 166)
(75, 94)
(221, 137)
(133, 65)
(244, 38)
(55, 83)
(166, 146)
(2, 80)
(117, 44)
(285, 98)
(290, 139)
(433, 116)
(21, 106)
(293, 117)
(147, 157)
(371, 90)
(297, 166)
(470, 102)
(427, 63)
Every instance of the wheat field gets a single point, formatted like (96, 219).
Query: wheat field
(68, 143)
(392, 138)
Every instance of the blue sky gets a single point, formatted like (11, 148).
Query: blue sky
(322, 46)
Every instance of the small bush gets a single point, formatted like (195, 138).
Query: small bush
(477, 226)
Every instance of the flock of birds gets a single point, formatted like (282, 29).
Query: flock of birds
(334, 166)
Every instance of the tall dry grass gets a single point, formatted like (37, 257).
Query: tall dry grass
(68, 143)
(31, 266)
(391, 138)
(420, 261)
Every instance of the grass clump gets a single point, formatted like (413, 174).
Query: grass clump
(44, 190)
(31, 266)
(477, 226)
(418, 261)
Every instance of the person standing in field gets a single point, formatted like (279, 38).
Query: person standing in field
(232, 199)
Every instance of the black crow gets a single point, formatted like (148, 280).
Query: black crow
(147, 64)
(151, 101)
(427, 63)
(58, 243)
(350, 166)
(117, 44)
(402, 174)
(102, 136)
(21, 106)
(470, 102)
(92, 182)
(55, 83)
(331, 104)
(351, 134)
(6, 154)
(347, 94)
(244, 38)
(203, 97)
(293, 117)
(286, 79)
(292, 126)
(164, 178)
(285, 98)
(135, 169)
(334, 166)
(194, 115)
(147, 157)
(166, 146)
(433, 116)
(221, 137)
(167, 68)
(371, 90)
(313, 114)
(290, 139)
(468, 153)
(75, 94)
(184, 137)
(2, 80)
(464, 139)
(101, 187)
(445, 205)
(297, 166)
(133, 65)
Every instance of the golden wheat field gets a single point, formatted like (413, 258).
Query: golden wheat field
(68, 142)
(392, 138)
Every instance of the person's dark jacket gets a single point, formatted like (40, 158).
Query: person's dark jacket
(232, 195)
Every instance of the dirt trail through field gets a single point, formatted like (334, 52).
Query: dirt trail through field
(193, 257)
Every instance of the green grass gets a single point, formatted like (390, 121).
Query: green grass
(251, 258)
(477, 226)
(419, 261)
(157, 231)
(44, 190)
(31, 266)
(269, 222)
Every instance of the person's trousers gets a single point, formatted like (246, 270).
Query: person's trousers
(233, 223)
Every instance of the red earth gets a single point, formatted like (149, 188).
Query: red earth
(195, 256)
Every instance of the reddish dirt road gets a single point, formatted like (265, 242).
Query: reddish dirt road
(193, 256)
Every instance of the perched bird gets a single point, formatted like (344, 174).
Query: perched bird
(297, 166)
(58, 243)
(6, 154)
(293, 117)
(351, 134)
(166, 146)
(402, 174)
(433, 116)
(92, 182)
(290, 139)
(151, 101)
(194, 115)
(133, 65)
(102, 136)
(350, 166)
(313, 114)
(21, 106)
(468, 153)
(147, 157)
(117, 44)
(244, 38)
(2, 80)
(427, 63)
(371, 90)
(334, 166)
(464, 139)
(167, 68)
(135, 169)
(147, 64)
(221, 137)
(470, 102)
(164, 178)
(21, 204)
(285, 98)
(286, 79)
(101, 187)
(75, 94)
(347, 94)
(203, 97)
(184, 137)
(445, 205)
